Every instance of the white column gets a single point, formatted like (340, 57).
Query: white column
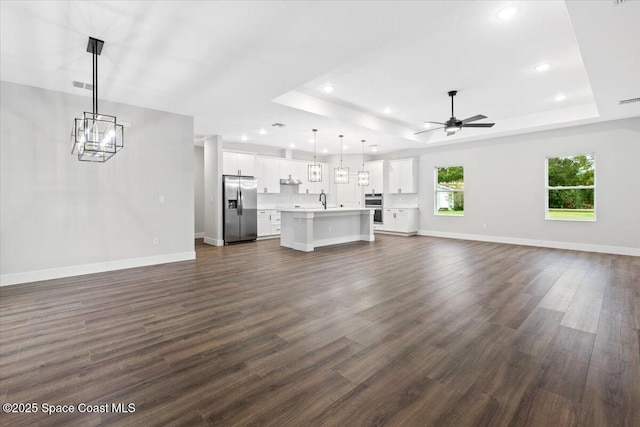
(213, 191)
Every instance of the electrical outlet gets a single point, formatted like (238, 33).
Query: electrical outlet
(484, 226)
(161, 199)
(156, 241)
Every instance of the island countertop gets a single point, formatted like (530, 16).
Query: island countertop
(314, 210)
(305, 229)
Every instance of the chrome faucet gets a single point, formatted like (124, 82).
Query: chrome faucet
(323, 200)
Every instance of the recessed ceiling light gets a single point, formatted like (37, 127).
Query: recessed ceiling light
(324, 150)
(387, 110)
(427, 125)
(507, 13)
(543, 67)
(560, 97)
(262, 131)
(345, 147)
(327, 88)
(374, 149)
(244, 137)
(292, 145)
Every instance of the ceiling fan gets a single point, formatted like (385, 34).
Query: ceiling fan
(453, 125)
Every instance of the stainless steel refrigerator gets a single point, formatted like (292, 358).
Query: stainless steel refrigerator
(240, 208)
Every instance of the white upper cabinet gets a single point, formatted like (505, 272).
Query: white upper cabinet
(402, 176)
(376, 177)
(306, 187)
(268, 174)
(238, 164)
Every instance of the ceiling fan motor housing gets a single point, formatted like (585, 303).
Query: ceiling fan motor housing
(452, 124)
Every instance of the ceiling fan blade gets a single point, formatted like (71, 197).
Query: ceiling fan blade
(428, 130)
(474, 118)
(477, 125)
(435, 123)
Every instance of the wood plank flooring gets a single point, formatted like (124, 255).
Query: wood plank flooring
(401, 332)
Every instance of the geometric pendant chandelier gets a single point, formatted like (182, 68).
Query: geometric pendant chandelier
(363, 175)
(96, 137)
(314, 172)
(341, 174)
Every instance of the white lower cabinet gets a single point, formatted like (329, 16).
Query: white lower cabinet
(404, 220)
(274, 220)
(268, 222)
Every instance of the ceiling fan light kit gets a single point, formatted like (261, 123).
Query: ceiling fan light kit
(453, 125)
(96, 137)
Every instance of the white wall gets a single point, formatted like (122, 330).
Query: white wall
(198, 190)
(505, 188)
(61, 217)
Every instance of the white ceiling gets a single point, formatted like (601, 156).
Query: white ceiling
(238, 67)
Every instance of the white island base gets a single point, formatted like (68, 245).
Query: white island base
(307, 229)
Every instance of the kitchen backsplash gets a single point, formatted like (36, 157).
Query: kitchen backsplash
(288, 197)
(391, 200)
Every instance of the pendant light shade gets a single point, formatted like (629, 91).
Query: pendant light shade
(96, 137)
(314, 172)
(341, 174)
(363, 175)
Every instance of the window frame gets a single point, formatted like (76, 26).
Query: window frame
(570, 187)
(436, 192)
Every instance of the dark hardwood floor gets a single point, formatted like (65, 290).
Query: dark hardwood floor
(402, 332)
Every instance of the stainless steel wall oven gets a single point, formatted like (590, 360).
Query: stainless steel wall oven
(374, 201)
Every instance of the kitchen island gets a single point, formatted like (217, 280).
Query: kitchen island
(306, 229)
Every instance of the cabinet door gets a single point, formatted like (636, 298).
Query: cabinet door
(238, 163)
(393, 177)
(261, 174)
(301, 173)
(272, 172)
(409, 176)
(401, 220)
(388, 220)
(275, 222)
(376, 181)
(264, 224)
(229, 163)
(247, 164)
(402, 176)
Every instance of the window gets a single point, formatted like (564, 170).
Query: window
(449, 191)
(571, 190)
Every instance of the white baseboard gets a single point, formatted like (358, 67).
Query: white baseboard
(77, 270)
(214, 242)
(396, 233)
(617, 250)
(198, 235)
(270, 236)
(302, 247)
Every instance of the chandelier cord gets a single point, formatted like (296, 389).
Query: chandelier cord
(95, 79)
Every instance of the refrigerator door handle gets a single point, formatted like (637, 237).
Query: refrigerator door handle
(240, 204)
